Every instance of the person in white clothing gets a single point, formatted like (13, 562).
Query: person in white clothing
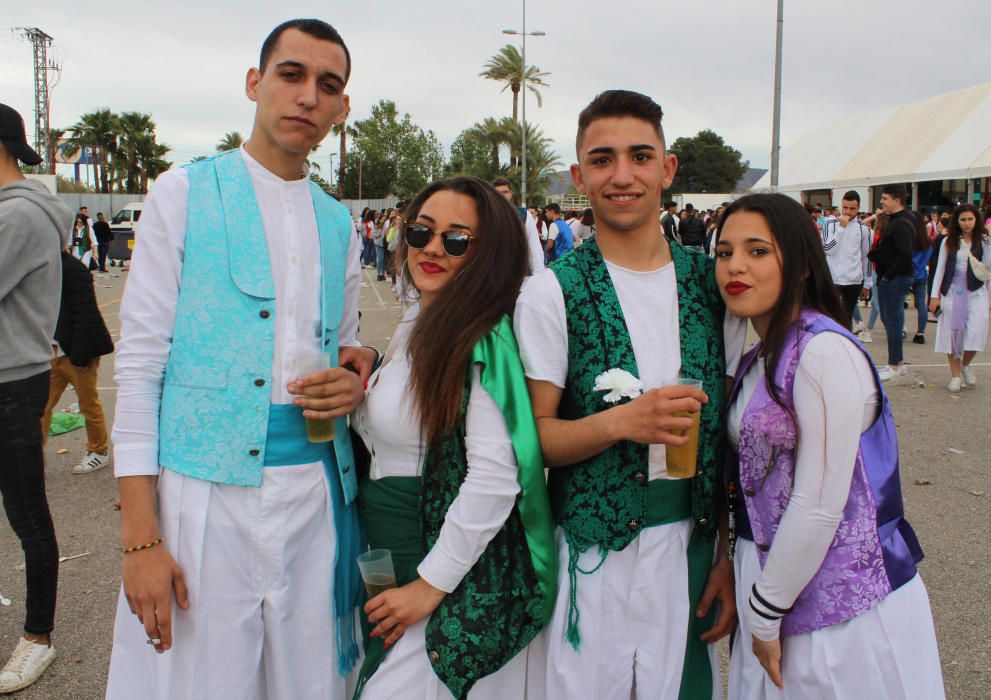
(630, 615)
(830, 601)
(455, 485)
(846, 241)
(504, 187)
(233, 554)
(584, 228)
(960, 295)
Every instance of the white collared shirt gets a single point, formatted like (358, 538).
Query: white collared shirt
(151, 297)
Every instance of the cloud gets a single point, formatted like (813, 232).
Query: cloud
(710, 65)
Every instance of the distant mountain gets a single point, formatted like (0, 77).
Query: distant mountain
(749, 179)
(559, 183)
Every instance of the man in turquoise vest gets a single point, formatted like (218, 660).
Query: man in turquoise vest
(239, 535)
(603, 334)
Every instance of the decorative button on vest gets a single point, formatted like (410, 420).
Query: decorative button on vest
(434, 657)
(633, 525)
(259, 382)
(264, 313)
(639, 477)
(253, 453)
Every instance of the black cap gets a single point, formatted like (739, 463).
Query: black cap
(13, 138)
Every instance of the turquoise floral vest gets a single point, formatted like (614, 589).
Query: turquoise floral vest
(216, 394)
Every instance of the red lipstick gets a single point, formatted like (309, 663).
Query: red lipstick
(735, 288)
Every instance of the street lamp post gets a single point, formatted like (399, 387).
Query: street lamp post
(524, 34)
(776, 119)
(331, 180)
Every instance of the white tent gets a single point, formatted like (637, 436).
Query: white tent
(946, 137)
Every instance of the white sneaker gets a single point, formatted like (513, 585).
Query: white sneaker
(93, 461)
(886, 374)
(26, 665)
(969, 377)
(865, 336)
(858, 327)
(954, 385)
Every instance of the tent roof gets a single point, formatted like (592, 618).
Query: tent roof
(938, 138)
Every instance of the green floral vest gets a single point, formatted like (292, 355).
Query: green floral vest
(508, 596)
(602, 501)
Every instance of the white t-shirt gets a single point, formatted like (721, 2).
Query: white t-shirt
(650, 306)
(533, 241)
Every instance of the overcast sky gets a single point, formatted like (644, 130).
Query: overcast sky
(709, 63)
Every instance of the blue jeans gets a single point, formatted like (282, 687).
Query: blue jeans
(919, 291)
(891, 299)
(380, 260)
(22, 485)
(367, 251)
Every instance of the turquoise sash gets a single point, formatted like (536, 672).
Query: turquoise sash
(287, 445)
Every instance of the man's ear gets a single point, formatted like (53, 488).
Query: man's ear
(576, 175)
(251, 81)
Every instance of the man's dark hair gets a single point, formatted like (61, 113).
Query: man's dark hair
(896, 191)
(690, 208)
(620, 103)
(554, 207)
(315, 28)
(502, 182)
(668, 205)
(852, 196)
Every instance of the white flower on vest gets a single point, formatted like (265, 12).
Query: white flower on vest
(619, 383)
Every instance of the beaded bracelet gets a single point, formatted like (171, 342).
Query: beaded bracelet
(129, 550)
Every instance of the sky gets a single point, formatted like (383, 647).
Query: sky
(709, 64)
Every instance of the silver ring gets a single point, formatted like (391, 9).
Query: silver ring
(154, 640)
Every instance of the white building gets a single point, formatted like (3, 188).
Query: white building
(939, 148)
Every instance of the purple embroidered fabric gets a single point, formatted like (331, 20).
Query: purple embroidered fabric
(874, 550)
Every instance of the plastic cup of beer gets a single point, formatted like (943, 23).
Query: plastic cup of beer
(682, 460)
(317, 429)
(376, 571)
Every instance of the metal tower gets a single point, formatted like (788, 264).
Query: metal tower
(41, 43)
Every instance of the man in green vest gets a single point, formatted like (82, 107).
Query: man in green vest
(603, 334)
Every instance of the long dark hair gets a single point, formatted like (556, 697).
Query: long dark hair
(805, 278)
(483, 291)
(952, 241)
(921, 240)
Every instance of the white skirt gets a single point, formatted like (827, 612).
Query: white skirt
(633, 622)
(258, 563)
(976, 334)
(886, 653)
(407, 673)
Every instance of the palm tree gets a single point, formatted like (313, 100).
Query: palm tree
(342, 130)
(541, 162)
(54, 137)
(232, 141)
(153, 164)
(99, 131)
(493, 135)
(507, 67)
(137, 134)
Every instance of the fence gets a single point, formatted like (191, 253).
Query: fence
(109, 204)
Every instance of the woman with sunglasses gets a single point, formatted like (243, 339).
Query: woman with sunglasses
(830, 602)
(454, 487)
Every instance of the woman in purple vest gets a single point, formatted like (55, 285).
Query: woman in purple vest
(830, 602)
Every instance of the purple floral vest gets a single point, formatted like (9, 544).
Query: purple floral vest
(875, 550)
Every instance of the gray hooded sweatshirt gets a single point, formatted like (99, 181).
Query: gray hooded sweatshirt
(34, 227)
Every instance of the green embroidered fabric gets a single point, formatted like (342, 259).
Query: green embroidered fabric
(603, 501)
(507, 597)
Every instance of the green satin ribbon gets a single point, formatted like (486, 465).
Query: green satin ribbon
(498, 356)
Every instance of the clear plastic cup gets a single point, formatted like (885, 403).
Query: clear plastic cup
(376, 571)
(682, 460)
(317, 429)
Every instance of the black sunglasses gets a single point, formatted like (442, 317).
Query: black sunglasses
(455, 242)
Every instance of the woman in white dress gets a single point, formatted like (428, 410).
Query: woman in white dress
(455, 486)
(960, 294)
(829, 599)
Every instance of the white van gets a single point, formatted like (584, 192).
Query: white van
(126, 220)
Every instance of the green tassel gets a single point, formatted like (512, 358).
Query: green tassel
(571, 634)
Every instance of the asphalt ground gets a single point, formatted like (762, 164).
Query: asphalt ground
(946, 480)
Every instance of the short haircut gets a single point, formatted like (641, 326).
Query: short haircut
(852, 196)
(554, 207)
(668, 205)
(502, 182)
(689, 207)
(896, 191)
(315, 28)
(619, 103)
